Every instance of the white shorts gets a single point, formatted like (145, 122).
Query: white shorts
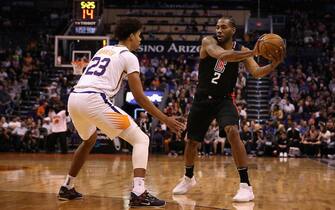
(90, 111)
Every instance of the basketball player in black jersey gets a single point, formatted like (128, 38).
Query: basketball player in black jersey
(218, 71)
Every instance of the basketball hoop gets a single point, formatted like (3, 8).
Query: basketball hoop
(78, 67)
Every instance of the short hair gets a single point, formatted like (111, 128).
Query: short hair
(231, 20)
(125, 27)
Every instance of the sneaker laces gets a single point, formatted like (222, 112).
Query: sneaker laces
(150, 197)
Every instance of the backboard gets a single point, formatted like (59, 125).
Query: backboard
(74, 48)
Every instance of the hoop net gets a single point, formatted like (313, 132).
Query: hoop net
(78, 67)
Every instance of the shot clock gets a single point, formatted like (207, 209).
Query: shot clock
(86, 14)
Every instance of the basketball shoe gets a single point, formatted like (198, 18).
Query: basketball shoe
(68, 194)
(184, 185)
(244, 194)
(145, 199)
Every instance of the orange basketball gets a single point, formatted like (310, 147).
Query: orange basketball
(270, 45)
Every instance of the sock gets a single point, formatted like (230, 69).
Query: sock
(243, 171)
(68, 183)
(189, 171)
(138, 187)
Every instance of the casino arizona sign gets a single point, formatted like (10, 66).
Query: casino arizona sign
(166, 47)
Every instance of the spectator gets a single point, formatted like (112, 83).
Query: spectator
(17, 136)
(217, 139)
(288, 108)
(209, 139)
(158, 139)
(310, 142)
(325, 139)
(259, 140)
(59, 128)
(282, 143)
(5, 100)
(277, 113)
(41, 110)
(4, 137)
(293, 136)
(143, 122)
(246, 137)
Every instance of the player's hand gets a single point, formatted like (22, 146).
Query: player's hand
(278, 57)
(256, 49)
(175, 125)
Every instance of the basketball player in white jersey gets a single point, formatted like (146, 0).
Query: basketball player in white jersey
(90, 108)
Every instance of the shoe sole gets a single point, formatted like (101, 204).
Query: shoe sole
(243, 201)
(66, 199)
(157, 207)
(183, 193)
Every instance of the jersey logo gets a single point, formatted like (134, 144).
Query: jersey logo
(220, 66)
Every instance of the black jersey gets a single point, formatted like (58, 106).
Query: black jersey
(218, 77)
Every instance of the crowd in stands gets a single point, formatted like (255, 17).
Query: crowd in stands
(302, 99)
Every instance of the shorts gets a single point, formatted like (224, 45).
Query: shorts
(89, 111)
(204, 110)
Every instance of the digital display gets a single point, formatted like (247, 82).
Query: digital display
(86, 10)
(85, 30)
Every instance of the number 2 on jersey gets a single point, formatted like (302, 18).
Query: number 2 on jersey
(216, 77)
(100, 70)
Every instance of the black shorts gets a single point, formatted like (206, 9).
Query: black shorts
(206, 108)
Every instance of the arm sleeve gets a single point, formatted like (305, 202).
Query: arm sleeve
(131, 62)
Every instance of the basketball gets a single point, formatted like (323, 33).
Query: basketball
(270, 44)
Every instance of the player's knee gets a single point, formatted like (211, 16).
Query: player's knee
(146, 140)
(92, 140)
(142, 138)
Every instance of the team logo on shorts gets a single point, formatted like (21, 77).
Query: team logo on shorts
(220, 66)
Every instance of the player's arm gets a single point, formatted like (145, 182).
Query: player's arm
(214, 50)
(257, 71)
(136, 88)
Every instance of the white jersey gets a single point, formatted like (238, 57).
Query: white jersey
(58, 123)
(106, 70)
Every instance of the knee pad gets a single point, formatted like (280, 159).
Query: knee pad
(139, 137)
(140, 142)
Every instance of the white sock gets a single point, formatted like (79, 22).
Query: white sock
(138, 188)
(68, 183)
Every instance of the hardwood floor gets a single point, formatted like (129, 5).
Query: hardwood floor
(31, 182)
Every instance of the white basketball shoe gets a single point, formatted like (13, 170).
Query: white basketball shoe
(244, 194)
(184, 185)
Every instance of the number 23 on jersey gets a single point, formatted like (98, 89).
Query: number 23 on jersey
(98, 66)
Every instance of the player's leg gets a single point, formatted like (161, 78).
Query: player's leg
(140, 142)
(228, 120)
(81, 154)
(87, 132)
(198, 122)
(215, 145)
(116, 122)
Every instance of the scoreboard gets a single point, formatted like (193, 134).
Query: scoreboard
(86, 10)
(86, 14)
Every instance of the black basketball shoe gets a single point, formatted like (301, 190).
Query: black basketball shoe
(145, 199)
(68, 194)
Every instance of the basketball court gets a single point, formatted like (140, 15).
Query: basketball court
(31, 182)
